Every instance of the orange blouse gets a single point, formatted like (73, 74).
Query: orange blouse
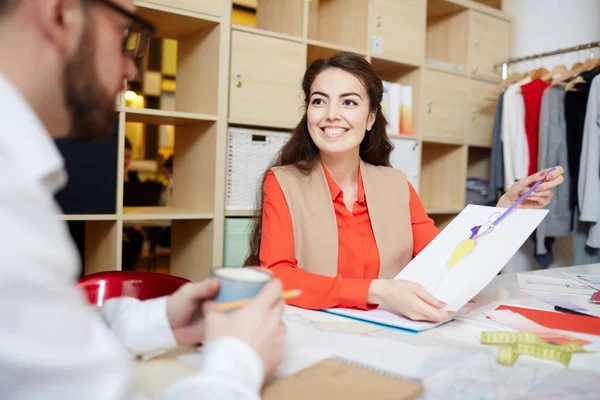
(358, 257)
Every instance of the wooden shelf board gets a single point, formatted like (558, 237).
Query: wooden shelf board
(162, 213)
(239, 213)
(439, 8)
(87, 217)
(162, 117)
(174, 23)
(262, 32)
(260, 124)
(404, 137)
(384, 64)
(443, 140)
(331, 46)
(487, 79)
(479, 146)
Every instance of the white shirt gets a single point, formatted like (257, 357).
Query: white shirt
(52, 344)
(514, 138)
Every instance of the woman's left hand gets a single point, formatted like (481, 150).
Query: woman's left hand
(540, 197)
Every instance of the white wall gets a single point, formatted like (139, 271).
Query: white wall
(547, 25)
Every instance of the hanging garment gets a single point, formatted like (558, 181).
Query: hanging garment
(589, 175)
(552, 148)
(514, 139)
(532, 97)
(496, 185)
(582, 253)
(575, 107)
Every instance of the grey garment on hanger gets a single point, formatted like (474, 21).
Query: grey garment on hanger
(496, 184)
(582, 253)
(552, 150)
(588, 188)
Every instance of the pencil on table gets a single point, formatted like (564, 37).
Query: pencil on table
(232, 305)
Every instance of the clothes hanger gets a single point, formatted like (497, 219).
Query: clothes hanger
(556, 71)
(510, 79)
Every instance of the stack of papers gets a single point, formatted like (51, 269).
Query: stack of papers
(567, 291)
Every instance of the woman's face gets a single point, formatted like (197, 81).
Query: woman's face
(338, 112)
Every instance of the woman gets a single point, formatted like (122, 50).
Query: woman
(335, 219)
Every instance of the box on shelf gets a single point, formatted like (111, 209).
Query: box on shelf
(237, 232)
(397, 108)
(249, 153)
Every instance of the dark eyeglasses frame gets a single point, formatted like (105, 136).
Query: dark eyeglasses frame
(146, 25)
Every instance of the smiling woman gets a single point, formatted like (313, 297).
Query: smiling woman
(335, 220)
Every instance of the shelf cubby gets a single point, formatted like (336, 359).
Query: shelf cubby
(339, 22)
(443, 172)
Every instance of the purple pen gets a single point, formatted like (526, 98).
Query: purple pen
(527, 193)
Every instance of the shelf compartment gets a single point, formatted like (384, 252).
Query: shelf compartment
(177, 22)
(482, 114)
(102, 245)
(408, 75)
(185, 49)
(443, 172)
(317, 49)
(286, 17)
(392, 19)
(447, 34)
(265, 80)
(340, 22)
(444, 104)
(479, 163)
(191, 242)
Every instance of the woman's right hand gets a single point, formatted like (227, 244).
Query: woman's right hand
(408, 299)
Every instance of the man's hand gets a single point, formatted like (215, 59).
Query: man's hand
(258, 324)
(184, 310)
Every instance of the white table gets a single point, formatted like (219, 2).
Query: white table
(449, 359)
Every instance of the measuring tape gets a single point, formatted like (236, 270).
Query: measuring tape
(529, 344)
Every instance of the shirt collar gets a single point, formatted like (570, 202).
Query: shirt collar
(26, 147)
(335, 190)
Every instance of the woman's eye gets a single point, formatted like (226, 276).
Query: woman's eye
(317, 102)
(348, 102)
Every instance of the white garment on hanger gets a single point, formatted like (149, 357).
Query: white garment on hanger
(514, 138)
(588, 190)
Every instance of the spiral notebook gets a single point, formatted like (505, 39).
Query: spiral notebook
(338, 378)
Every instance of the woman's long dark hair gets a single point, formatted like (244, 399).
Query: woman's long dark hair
(301, 152)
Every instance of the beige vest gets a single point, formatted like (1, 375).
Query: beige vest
(315, 226)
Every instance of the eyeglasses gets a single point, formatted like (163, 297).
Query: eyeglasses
(137, 37)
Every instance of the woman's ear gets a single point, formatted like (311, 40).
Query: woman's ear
(371, 120)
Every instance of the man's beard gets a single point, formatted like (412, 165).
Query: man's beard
(92, 109)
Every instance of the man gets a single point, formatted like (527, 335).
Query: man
(62, 62)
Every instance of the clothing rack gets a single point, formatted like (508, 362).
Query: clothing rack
(510, 61)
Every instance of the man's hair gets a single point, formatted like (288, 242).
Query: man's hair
(6, 5)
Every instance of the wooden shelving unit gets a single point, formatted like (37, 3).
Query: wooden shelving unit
(232, 74)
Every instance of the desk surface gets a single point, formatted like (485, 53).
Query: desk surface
(449, 359)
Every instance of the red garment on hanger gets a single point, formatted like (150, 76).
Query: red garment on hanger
(532, 96)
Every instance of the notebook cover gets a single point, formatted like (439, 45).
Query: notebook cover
(557, 320)
(334, 379)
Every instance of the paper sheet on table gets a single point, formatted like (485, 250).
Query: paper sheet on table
(471, 272)
(578, 303)
(551, 284)
(588, 280)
